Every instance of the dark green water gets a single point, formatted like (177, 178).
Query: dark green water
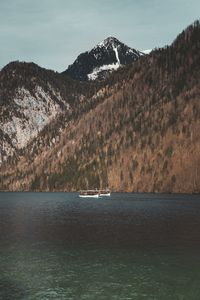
(129, 246)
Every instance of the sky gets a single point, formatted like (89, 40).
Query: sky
(52, 33)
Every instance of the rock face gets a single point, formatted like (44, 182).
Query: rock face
(98, 63)
(31, 98)
(35, 112)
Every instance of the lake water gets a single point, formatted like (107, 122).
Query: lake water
(129, 246)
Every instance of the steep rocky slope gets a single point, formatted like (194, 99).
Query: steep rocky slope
(31, 98)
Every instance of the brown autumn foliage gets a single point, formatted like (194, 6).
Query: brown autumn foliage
(140, 133)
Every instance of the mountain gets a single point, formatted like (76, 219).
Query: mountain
(139, 130)
(98, 63)
(31, 98)
(27, 105)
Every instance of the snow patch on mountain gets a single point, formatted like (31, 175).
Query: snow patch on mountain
(147, 51)
(117, 54)
(95, 73)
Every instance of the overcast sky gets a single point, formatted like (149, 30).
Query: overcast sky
(52, 33)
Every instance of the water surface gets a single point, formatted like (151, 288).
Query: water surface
(128, 246)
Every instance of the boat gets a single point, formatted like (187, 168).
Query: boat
(104, 192)
(89, 194)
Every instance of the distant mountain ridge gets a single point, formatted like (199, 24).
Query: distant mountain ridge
(105, 57)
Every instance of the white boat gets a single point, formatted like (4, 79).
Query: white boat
(104, 192)
(89, 194)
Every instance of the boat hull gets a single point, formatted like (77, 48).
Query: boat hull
(89, 196)
(105, 195)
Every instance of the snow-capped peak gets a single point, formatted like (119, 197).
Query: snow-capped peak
(98, 63)
(109, 41)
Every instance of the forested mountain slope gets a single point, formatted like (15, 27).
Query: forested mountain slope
(141, 132)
